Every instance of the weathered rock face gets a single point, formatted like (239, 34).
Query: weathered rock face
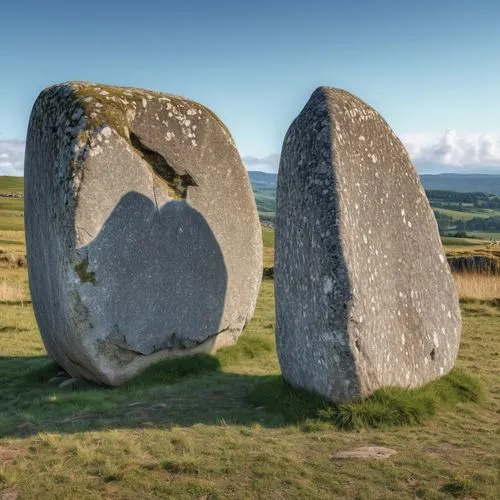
(364, 295)
(142, 232)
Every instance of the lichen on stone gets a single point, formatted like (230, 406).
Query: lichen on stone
(84, 274)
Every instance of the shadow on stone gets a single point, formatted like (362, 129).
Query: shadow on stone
(158, 277)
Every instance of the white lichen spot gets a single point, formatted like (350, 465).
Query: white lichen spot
(435, 338)
(374, 158)
(194, 143)
(130, 114)
(362, 138)
(365, 239)
(327, 285)
(106, 132)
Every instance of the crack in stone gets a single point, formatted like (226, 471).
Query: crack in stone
(174, 343)
(178, 184)
(84, 230)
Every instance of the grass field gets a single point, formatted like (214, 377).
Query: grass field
(485, 235)
(449, 241)
(11, 184)
(468, 214)
(226, 426)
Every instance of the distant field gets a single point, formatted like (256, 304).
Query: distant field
(470, 213)
(11, 214)
(450, 241)
(485, 235)
(10, 184)
(11, 209)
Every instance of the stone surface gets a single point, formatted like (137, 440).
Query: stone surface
(143, 237)
(364, 295)
(370, 452)
(9, 494)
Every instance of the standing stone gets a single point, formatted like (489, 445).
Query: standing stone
(142, 232)
(364, 295)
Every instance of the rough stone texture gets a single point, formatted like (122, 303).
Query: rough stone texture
(371, 452)
(142, 232)
(364, 294)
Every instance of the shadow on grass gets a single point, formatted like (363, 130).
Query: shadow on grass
(195, 390)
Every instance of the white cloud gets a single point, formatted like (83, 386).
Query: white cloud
(454, 149)
(11, 157)
(267, 164)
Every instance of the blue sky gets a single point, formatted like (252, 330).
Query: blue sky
(429, 67)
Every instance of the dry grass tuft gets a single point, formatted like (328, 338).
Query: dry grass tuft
(13, 292)
(479, 286)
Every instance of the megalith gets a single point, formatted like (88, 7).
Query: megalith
(364, 294)
(142, 233)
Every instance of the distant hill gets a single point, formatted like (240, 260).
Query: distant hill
(462, 183)
(264, 186)
(11, 184)
(263, 180)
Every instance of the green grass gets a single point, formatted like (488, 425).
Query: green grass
(469, 213)
(449, 241)
(11, 213)
(386, 408)
(11, 184)
(268, 237)
(484, 235)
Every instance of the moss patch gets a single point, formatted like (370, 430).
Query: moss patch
(84, 274)
(389, 407)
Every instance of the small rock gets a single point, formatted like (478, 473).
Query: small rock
(58, 379)
(9, 494)
(159, 405)
(69, 382)
(374, 452)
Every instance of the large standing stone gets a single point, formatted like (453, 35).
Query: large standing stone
(364, 295)
(142, 232)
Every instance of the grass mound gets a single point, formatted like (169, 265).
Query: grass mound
(390, 407)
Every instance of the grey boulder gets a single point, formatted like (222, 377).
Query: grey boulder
(364, 294)
(142, 233)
